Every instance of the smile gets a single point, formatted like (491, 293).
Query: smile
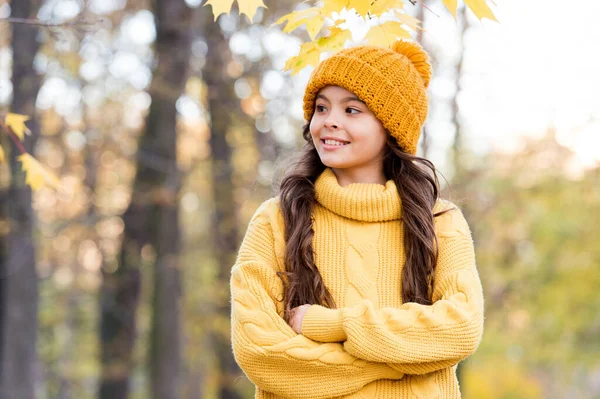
(333, 144)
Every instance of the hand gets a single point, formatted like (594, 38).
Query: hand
(297, 315)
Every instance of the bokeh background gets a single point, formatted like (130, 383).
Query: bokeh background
(168, 129)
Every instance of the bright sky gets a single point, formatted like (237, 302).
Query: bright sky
(538, 68)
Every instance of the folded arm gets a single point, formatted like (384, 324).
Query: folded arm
(270, 353)
(415, 338)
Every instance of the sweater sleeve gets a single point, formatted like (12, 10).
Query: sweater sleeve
(267, 349)
(415, 338)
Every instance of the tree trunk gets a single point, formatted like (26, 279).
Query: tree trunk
(151, 221)
(222, 103)
(18, 277)
(458, 144)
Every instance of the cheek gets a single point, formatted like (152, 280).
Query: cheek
(380, 139)
(314, 127)
(372, 146)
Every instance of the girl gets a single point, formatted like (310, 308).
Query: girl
(358, 281)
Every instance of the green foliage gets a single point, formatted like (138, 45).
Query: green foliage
(535, 230)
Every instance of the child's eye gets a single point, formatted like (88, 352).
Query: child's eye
(319, 108)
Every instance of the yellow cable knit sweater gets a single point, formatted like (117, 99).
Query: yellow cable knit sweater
(373, 346)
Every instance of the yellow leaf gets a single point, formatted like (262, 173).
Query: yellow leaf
(385, 34)
(309, 55)
(381, 6)
(247, 7)
(481, 9)
(36, 175)
(219, 7)
(451, 5)
(16, 122)
(2, 158)
(312, 17)
(330, 6)
(335, 41)
(409, 20)
(313, 26)
(362, 7)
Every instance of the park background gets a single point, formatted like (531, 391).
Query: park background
(166, 130)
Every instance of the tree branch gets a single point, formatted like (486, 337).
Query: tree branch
(80, 23)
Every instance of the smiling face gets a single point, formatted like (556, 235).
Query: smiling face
(356, 153)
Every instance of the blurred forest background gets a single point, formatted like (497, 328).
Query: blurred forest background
(167, 129)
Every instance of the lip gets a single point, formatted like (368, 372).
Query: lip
(332, 147)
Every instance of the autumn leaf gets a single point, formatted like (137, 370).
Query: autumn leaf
(381, 6)
(36, 174)
(330, 6)
(408, 20)
(335, 41)
(247, 7)
(481, 9)
(2, 157)
(309, 55)
(385, 34)
(382, 35)
(219, 7)
(310, 52)
(361, 7)
(16, 122)
(312, 17)
(364, 7)
(451, 5)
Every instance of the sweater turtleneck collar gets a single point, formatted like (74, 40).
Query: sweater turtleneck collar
(367, 202)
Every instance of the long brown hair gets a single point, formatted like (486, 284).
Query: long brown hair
(418, 187)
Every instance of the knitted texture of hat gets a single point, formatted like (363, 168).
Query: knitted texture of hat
(391, 81)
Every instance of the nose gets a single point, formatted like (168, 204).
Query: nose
(330, 122)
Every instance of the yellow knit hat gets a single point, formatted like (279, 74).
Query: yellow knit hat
(391, 81)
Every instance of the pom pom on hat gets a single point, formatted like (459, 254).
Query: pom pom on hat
(417, 56)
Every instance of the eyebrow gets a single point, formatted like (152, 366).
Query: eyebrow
(344, 100)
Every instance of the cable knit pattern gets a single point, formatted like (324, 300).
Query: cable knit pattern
(372, 346)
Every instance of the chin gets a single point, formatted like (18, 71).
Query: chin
(334, 163)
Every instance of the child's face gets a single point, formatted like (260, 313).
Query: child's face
(350, 121)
